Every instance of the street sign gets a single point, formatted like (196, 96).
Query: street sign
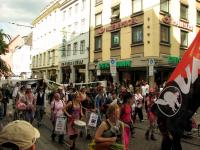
(98, 72)
(151, 70)
(113, 69)
(151, 62)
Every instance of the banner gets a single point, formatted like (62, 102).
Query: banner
(179, 99)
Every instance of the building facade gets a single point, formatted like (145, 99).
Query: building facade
(75, 41)
(46, 43)
(146, 40)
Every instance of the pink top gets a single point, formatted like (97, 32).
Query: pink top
(57, 107)
(126, 113)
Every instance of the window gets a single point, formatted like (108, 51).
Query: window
(164, 6)
(68, 49)
(137, 34)
(164, 34)
(53, 57)
(115, 13)
(75, 48)
(70, 11)
(98, 43)
(44, 59)
(64, 13)
(115, 39)
(33, 62)
(198, 17)
(40, 59)
(136, 6)
(184, 12)
(76, 8)
(63, 48)
(82, 25)
(49, 58)
(83, 5)
(184, 39)
(82, 47)
(98, 19)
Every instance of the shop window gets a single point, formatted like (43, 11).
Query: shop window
(198, 17)
(98, 19)
(184, 39)
(137, 34)
(184, 12)
(164, 34)
(164, 6)
(136, 6)
(68, 49)
(98, 43)
(75, 48)
(115, 39)
(115, 13)
(82, 47)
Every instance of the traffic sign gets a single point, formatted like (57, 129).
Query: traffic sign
(113, 69)
(151, 62)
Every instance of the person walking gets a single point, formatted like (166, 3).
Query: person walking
(57, 106)
(138, 105)
(151, 116)
(110, 131)
(73, 110)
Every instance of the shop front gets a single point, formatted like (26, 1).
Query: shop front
(74, 71)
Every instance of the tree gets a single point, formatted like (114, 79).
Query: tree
(4, 68)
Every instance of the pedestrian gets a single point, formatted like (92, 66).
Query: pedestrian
(40, 103)
(19, 135)
(151, 115)
(110, 131)
(30, 104)
(14, 93)
(57, 106)
(6, 96)
(73, 110)
(138, 105)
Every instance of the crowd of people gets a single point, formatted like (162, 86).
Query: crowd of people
(117, 107)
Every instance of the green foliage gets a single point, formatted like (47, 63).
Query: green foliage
(3, 44)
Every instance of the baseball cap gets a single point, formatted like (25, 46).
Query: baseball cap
(20, 133)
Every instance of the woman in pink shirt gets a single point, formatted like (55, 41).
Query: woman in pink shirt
(57, 106)
(125, 116)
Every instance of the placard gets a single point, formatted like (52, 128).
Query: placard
(93, 120)
(60, 124)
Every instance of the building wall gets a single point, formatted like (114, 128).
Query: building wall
(47, 38)
(151, 18)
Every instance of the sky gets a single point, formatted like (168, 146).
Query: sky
(21, 12)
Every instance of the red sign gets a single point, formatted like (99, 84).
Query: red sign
(180, 24)
(117, 25)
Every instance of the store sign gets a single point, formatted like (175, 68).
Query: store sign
(119, 64)
(168, 20)
(117, 25)
(69, 63)
(173, 60)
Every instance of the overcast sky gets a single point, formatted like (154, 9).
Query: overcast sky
(19, 12)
